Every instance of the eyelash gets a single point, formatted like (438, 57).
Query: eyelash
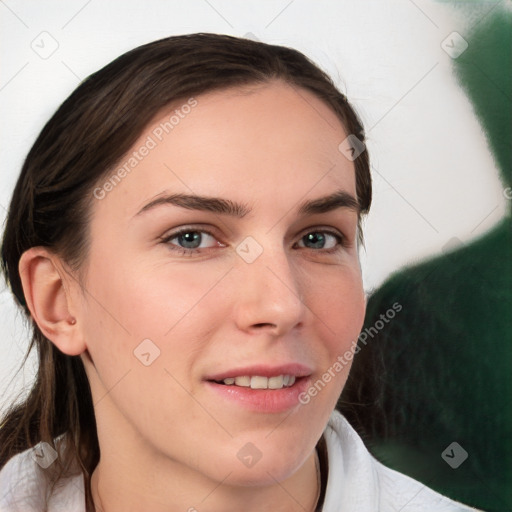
(341, 241)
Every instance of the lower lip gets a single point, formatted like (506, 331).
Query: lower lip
(263, 400)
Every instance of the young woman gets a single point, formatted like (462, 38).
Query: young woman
(184, 238)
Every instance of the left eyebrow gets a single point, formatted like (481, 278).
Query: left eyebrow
(339, 199)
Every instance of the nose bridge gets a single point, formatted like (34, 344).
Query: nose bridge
(270, 289)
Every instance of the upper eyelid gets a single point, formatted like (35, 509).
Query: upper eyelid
(190, 229)
(187, 229)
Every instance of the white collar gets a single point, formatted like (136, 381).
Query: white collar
(356, 482)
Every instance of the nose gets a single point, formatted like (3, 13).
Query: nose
(269, 294)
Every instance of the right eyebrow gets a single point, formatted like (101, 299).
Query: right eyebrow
(194, 202)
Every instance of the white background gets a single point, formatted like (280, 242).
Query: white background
(434, 178)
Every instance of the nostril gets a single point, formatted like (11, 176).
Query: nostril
(265, 325)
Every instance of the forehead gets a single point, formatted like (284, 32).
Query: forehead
(250, 143)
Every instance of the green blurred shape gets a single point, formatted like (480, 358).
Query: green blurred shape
(441, 370)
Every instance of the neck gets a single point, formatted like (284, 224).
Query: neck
(128, 483)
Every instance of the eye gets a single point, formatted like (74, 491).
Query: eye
(190, 240)
(325, 240)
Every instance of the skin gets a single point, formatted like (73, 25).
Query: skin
(167, 442)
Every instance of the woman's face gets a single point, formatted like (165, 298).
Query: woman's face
(214, 257)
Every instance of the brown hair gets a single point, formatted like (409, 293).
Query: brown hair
(90, 132)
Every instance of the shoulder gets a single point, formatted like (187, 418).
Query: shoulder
(24, 484)
(20, 484)
(356, 479)
(400, 491)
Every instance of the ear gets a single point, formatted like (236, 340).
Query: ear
(47, 292)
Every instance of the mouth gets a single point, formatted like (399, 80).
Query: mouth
(259, 381)
(262, 388)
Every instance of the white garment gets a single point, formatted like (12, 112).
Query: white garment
(357, 482)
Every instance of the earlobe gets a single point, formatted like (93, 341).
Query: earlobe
(43, 280)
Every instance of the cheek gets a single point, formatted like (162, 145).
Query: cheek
(128, 304)
(145, 328)
(339, 304)
(339, 308)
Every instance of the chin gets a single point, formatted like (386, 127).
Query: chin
(263, 462)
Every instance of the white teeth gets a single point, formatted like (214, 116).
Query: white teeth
(259, 382)
(276, 382)
(243, 381)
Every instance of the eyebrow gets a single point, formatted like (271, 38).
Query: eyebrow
(339, 199)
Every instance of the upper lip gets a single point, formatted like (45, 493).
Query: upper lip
(263, 370)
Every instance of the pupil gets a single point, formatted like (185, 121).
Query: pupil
(193, 238)
(317, 239)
